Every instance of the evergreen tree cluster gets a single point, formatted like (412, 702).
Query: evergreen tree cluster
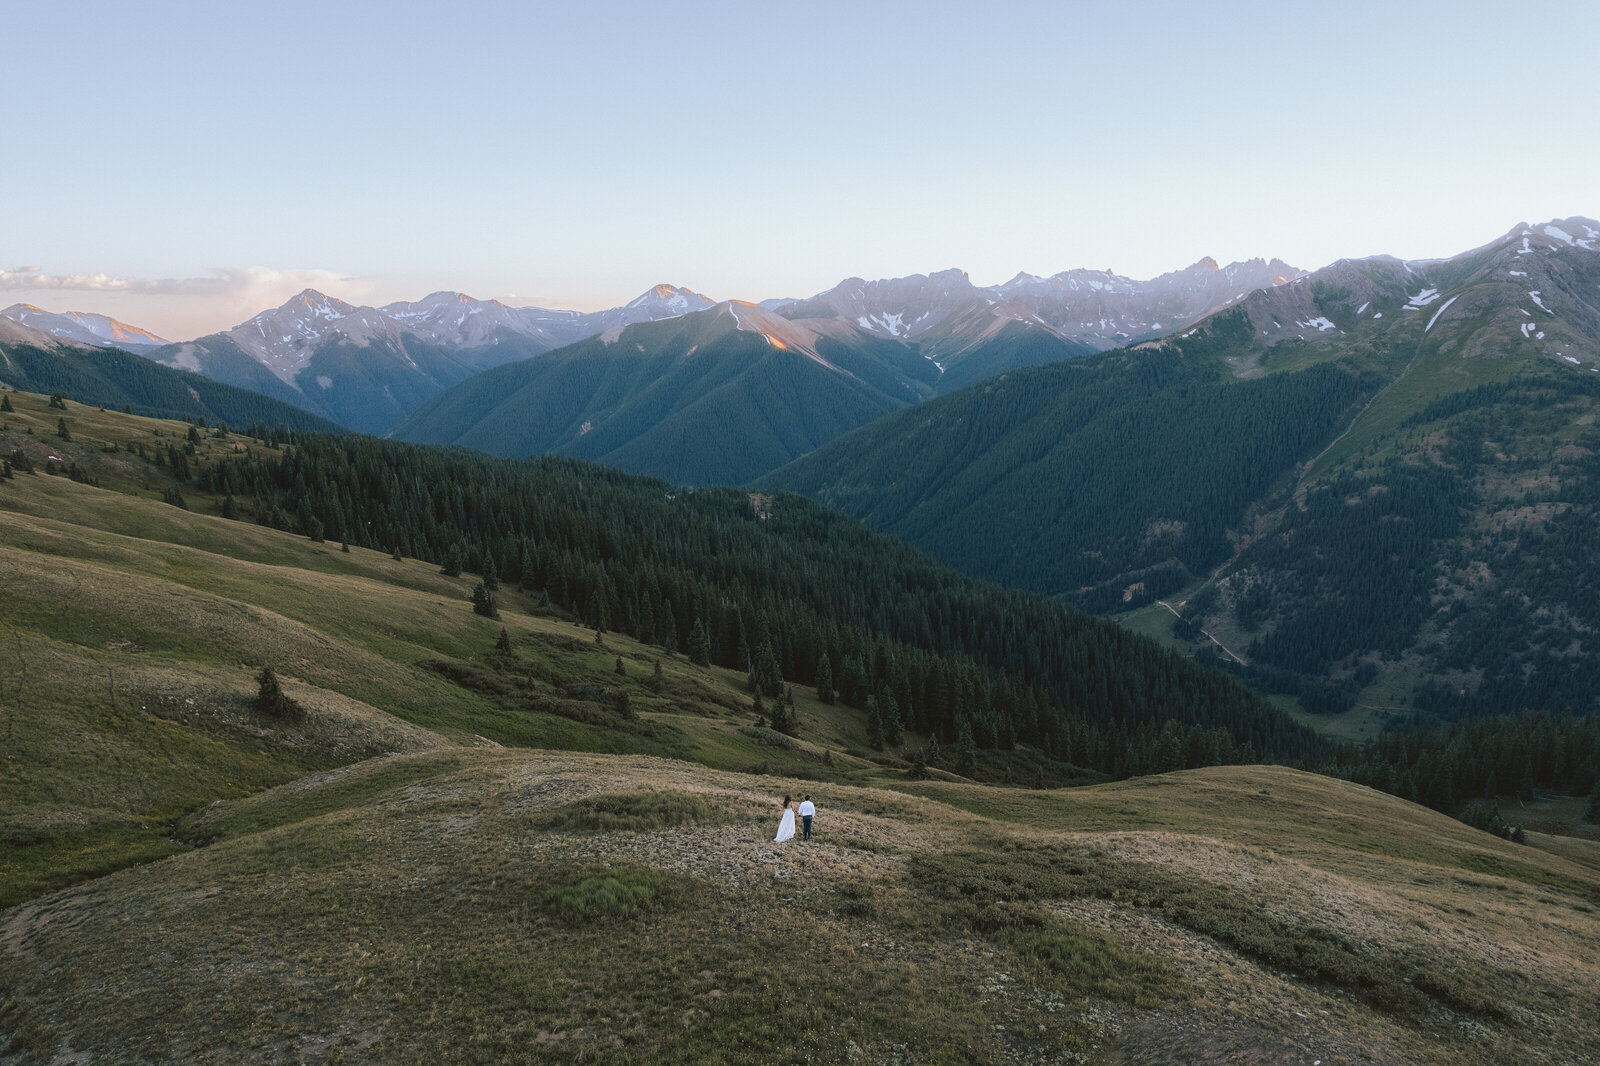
(1447, 765)
(108, 377)
(1093, 474)
(780, 596)
(1351, 571)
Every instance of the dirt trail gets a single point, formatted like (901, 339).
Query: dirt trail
(1229, 652)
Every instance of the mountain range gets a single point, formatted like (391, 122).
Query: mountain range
(369, 368)
(1372, 485)
(83, 328)
(1368, 486)
(93, 373)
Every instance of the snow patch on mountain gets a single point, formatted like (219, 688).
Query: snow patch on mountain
(1442, 308)
(84, 327)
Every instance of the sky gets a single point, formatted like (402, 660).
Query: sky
(181, 166)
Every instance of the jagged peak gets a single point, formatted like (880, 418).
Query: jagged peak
(665, 293)
(950, 277)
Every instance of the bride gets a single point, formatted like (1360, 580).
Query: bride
(785, 827)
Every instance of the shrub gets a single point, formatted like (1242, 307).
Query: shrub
(273, 702)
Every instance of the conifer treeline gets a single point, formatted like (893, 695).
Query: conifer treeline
(1447, 765)
(709, 573)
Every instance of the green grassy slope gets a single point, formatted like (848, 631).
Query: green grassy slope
(483, 905)
(470, 855)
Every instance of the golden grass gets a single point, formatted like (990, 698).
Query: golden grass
(412, 907)
(396, 881)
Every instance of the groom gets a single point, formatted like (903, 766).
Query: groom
(807, 810)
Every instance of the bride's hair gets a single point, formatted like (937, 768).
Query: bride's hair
(786, 800)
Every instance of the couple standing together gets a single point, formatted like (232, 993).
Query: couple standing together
(786, 826)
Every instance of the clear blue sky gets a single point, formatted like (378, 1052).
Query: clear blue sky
(182, 165)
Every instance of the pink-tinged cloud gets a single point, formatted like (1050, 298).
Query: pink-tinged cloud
(225, 283)
(182, 307)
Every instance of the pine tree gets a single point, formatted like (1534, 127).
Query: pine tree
(852, 682)
(1525, 787)
(966, 749)
(1169, 748)
(784, 719)
(825, 679)
(874, 727)
(453, 562)
(5, 404)
(699, 645)
(314, 530)
(491, 574)
(526, 575)
(61, 429)
(622, 671)
(483, 602)
(503, 644)
(764, 676)
(273, 702)
(647, 621)
(758, 708)
(919, 765)
(669, 633)
(658, 678)
(395, 555)
(230, 506)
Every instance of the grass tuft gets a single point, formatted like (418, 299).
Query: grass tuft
(617, 894)
(635, 812)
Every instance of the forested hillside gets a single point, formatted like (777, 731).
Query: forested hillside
(714, 397)
(109, 377)
(1365, 489)
(1086, 477)
(780, 586)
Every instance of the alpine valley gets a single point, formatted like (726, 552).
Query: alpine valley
(317, 746)
(1373, 488)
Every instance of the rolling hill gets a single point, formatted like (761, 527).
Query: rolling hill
(556, 847)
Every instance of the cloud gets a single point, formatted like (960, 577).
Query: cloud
(225, 284)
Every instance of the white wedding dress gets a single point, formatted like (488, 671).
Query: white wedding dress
(785, 827)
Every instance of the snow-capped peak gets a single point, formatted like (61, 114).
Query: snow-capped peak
(83, 327)
(670, 298)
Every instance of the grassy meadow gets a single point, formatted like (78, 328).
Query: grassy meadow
(469, 855)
